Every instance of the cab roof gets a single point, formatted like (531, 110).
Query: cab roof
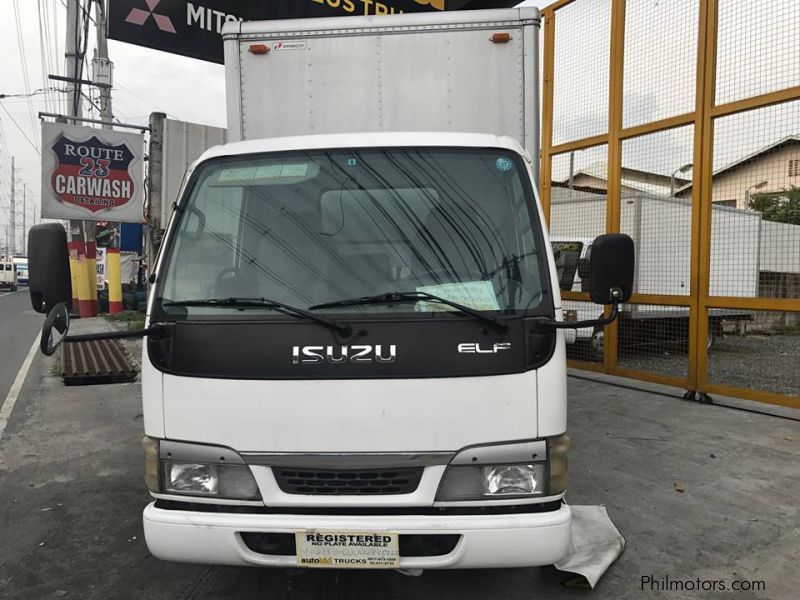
(366, 140)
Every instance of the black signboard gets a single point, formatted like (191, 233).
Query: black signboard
(192, 28)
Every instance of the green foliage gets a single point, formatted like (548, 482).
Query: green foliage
(783, 207)
(132, 319)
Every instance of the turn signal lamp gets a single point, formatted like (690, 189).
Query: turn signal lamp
(501, 38)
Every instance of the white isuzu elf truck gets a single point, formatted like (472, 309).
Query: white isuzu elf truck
(354, 355)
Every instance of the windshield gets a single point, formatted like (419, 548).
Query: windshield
(316, 227)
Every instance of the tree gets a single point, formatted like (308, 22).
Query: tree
(781, 207)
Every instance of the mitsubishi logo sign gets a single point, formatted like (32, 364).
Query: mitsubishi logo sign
(138, 16)
(192, 28)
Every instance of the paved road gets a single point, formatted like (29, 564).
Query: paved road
(19, 325)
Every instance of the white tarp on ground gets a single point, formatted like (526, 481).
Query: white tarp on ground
(596, 543)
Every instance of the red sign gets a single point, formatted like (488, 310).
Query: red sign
(92, 174)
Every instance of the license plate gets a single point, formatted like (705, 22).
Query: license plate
(348, 549)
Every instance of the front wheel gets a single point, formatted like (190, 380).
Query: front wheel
(598, 345)
(714, 333)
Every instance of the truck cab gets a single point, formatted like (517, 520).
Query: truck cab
(392, 411)
(354, 356)
(354, 350)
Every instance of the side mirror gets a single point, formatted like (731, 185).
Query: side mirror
(584, 268)
(49, 279)
(55, 329)
(611, 269)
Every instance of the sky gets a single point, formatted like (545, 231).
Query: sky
(659, 80)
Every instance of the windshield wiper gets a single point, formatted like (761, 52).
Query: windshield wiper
(234, 302)
(398, 297)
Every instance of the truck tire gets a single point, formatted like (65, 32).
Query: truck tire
(714, 333)
(598, 345)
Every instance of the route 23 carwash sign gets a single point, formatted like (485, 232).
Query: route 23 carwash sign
(91, 174)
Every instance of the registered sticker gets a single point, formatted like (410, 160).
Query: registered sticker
(348, 549)
(290, 46)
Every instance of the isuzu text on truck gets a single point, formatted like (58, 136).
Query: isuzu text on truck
(353, 355)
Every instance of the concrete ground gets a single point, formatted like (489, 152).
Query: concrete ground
(698, 491)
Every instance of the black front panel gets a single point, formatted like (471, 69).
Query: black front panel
(458, 347)
(349, 482)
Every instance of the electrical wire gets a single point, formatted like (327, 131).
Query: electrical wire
(23, 63)
(45, 45)
(55, 61)
(21, 130)
(76, 61)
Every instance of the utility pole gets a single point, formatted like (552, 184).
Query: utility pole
(102, 62)
(81, 252)
(24, 224)
(12, 216)
(104, 69)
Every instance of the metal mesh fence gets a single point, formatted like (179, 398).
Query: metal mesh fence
(654, 338)
(759, 351)
(755, 238)
(706, 180)
(581, 100)
(757, 48)
(660, 59)
(656, 209)
(578, 208)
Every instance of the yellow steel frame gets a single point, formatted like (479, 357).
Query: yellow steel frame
(703, 117)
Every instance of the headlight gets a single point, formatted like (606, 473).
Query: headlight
(492, 481)
(510, 480)
(195, 470)
(234, 482)
(191, 479)
(507, 471)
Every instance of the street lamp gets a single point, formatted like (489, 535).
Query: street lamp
(748, 192)
(672, 183)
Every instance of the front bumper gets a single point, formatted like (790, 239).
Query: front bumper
(487, 541)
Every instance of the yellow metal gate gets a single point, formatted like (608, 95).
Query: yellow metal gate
(678, 122)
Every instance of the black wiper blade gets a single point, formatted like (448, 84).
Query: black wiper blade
(398, 297)
(235, 302)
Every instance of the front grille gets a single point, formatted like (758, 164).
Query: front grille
(411, 546)
(361, 482)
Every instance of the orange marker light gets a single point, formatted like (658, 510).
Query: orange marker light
(259, 49)
(501, 38)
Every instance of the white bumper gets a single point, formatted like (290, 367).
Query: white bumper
(488, 541)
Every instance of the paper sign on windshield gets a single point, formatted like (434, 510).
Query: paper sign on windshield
(479, 295)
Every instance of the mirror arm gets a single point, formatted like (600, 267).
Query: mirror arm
(153, 330)
(553, 324)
